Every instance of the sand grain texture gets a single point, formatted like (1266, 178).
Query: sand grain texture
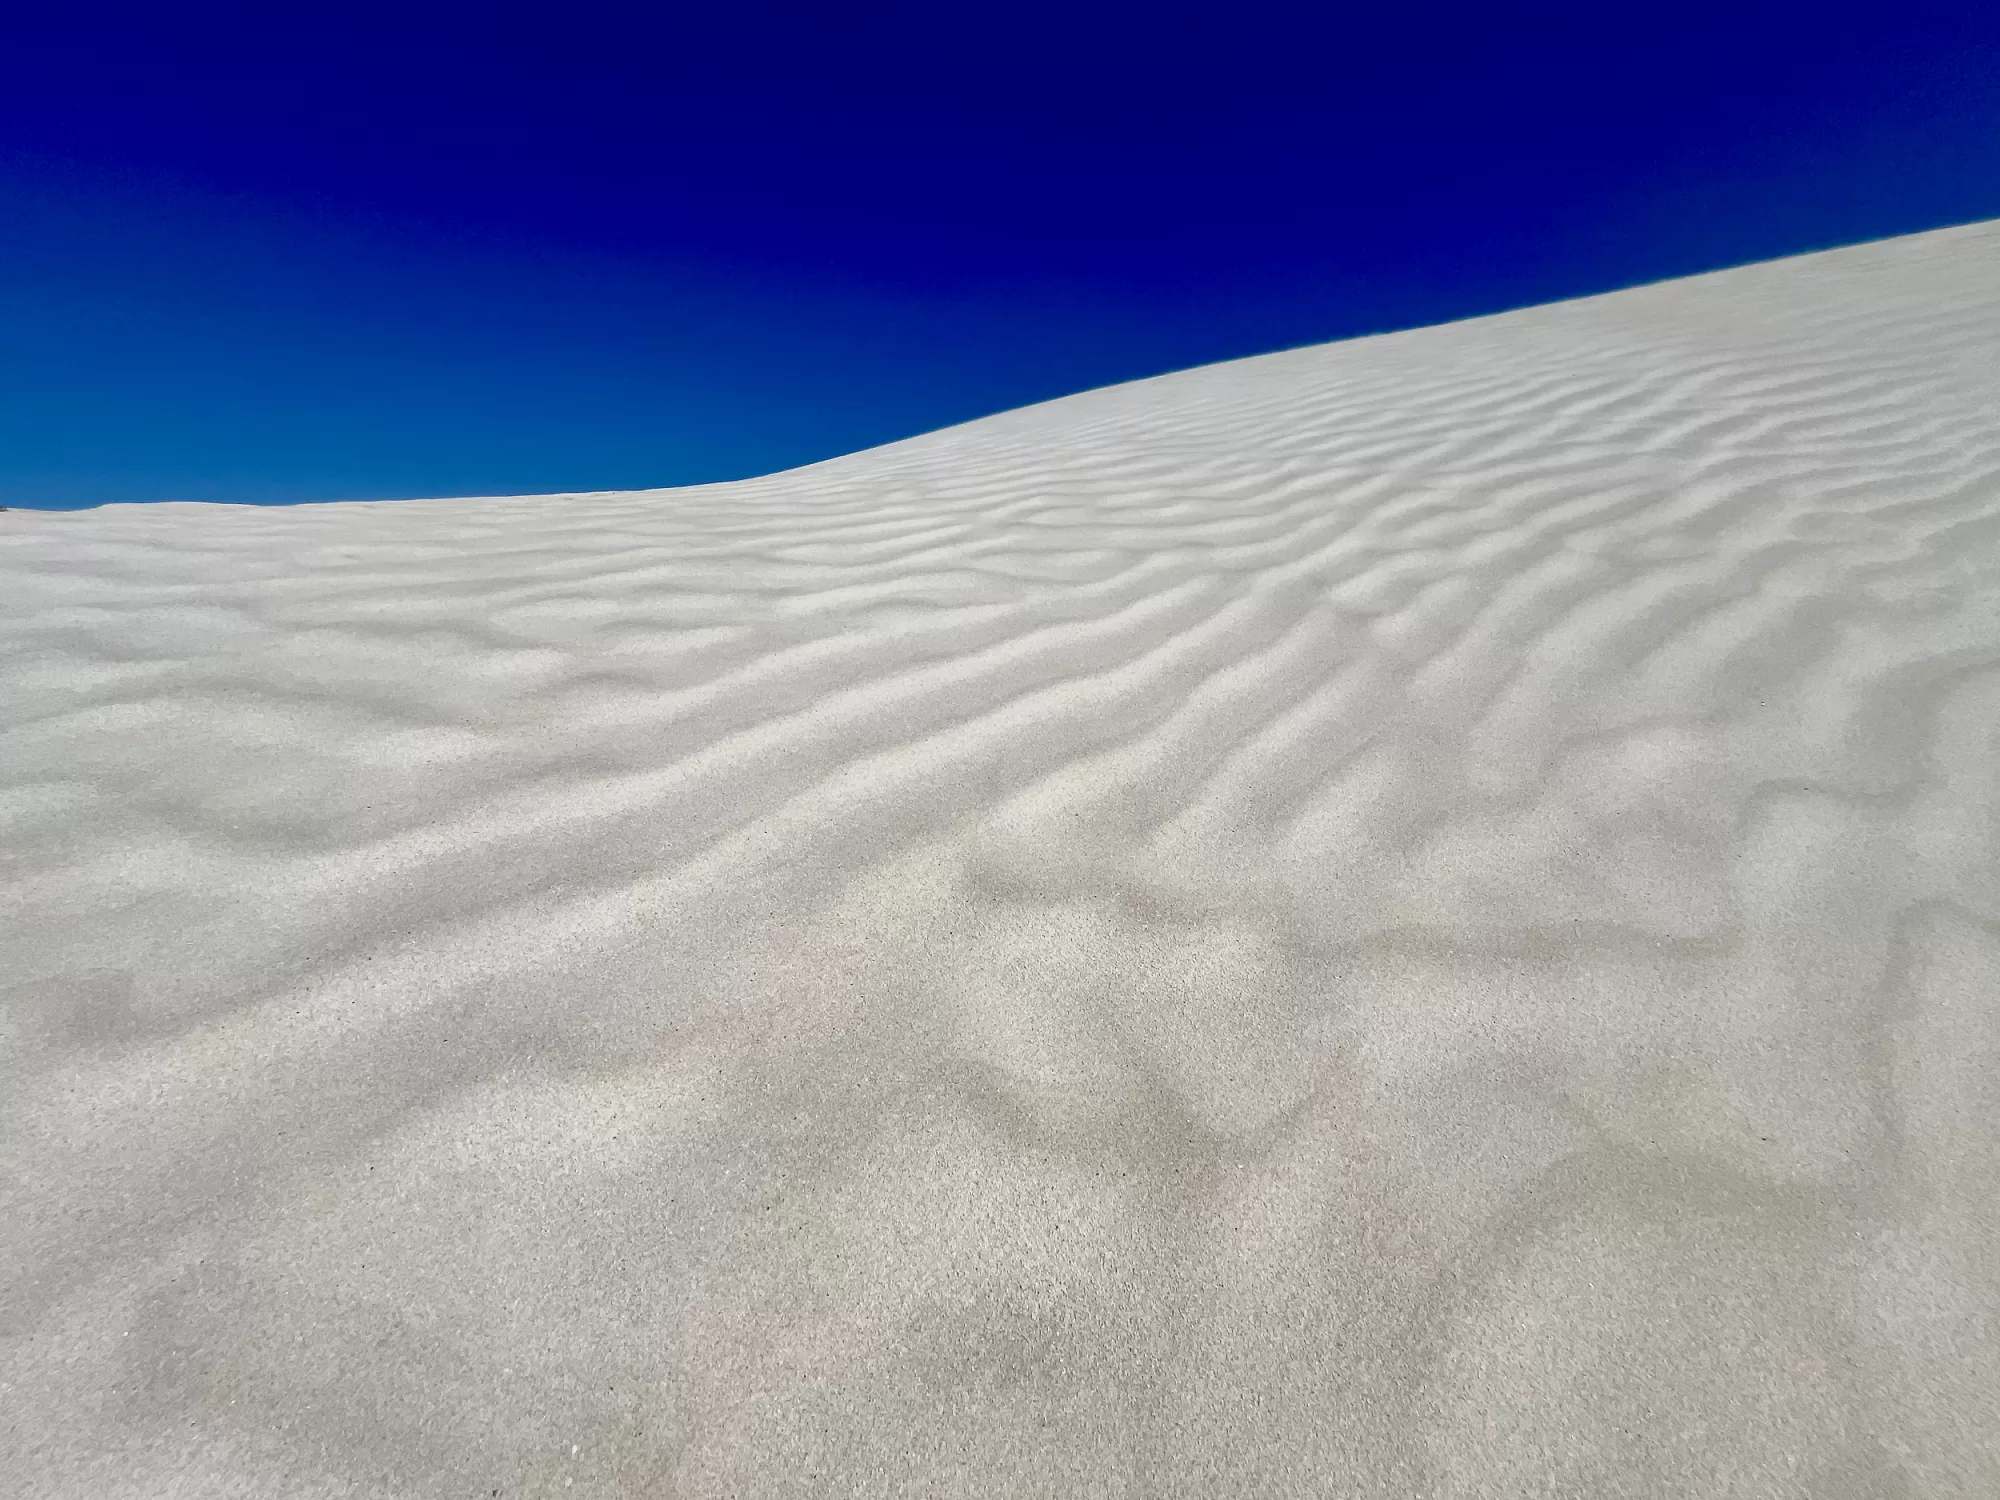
(1419, 917)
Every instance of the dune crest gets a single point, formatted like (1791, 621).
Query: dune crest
(1413, 917)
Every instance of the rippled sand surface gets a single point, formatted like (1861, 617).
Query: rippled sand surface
(1419, 917)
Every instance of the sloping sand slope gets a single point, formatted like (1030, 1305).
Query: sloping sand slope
(1412, 918)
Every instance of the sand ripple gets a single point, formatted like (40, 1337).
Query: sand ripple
(1416, 917)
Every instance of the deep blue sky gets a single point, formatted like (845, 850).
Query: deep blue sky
(290, 252)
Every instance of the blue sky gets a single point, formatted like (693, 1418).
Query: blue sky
(283, 253)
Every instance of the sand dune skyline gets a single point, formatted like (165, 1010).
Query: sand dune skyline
(1412, 917)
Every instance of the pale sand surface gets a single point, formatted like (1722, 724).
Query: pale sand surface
(1412, 918)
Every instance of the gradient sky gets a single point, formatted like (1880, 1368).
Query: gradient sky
(277, 253)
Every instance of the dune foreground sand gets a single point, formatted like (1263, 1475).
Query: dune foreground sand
(1419, 917)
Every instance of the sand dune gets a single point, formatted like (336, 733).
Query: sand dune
(1419, 917)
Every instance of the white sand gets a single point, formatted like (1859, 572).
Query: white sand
(1413, 918)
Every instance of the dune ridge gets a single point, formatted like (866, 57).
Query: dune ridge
(1413, 917)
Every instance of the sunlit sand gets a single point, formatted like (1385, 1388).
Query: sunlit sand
(1418, 917)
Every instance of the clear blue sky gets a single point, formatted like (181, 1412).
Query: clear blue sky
(275, 253)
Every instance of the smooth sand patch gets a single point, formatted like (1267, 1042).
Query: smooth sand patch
(1419, 917)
